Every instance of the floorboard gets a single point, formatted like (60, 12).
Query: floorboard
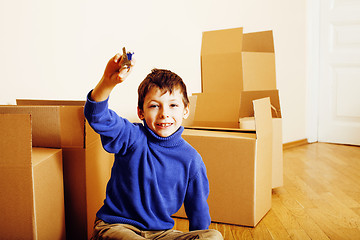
(320, 198)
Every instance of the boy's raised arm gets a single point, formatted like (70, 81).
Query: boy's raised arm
(113, 75)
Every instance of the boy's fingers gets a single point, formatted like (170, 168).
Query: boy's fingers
(117, 57)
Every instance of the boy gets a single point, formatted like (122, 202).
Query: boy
(155, 170)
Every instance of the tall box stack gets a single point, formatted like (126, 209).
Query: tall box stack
(231, 63)
(31, 183)
(86, 165)
(238, 70)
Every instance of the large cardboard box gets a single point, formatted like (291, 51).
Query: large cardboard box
(31, 184)
(232, 61)
(86, 164)
(238, 166)
(227, 110)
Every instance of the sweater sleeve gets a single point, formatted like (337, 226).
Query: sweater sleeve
(196, 207)
(115, 132)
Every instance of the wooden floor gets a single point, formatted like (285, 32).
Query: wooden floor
(320, 198)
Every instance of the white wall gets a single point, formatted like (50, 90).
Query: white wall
(52, 49)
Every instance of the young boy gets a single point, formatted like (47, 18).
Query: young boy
(155, 170)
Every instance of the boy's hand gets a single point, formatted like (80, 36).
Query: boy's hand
(113, 75)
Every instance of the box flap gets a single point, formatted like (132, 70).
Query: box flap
(190, 120)
(15, 140)
(222, 73)
(36, 102)
(258, 70)
(217, 110)
(72, 121)
(263, 176)
(222, 41)
(220, 129)
(262, 113)
(258, 42)
(16, 178)
(246, 107)
(45, 123)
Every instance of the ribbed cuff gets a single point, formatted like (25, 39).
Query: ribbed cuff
(95, 107)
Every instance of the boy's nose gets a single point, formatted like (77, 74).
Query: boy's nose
(164, 113)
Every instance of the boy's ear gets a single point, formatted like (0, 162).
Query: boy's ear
(186, 111)
(140, 113)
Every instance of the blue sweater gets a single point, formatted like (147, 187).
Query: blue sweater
(151, 176)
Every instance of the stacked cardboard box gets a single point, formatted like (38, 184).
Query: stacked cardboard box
(237, 69)
(238, 166)
(86, 166)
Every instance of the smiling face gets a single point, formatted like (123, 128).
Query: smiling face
(163, 112)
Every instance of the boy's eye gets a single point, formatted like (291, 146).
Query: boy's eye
(154, 106)
(174, 105)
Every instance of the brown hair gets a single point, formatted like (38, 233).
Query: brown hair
(163, 79)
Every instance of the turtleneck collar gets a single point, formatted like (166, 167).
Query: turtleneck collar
(170, 141)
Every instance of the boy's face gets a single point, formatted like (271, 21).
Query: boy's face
(163, 112)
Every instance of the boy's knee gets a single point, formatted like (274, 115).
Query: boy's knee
(213, 234)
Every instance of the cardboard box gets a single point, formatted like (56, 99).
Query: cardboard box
(31, 183)
(221, 110)
(238, 166)
(232, 61)
(86, 164)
